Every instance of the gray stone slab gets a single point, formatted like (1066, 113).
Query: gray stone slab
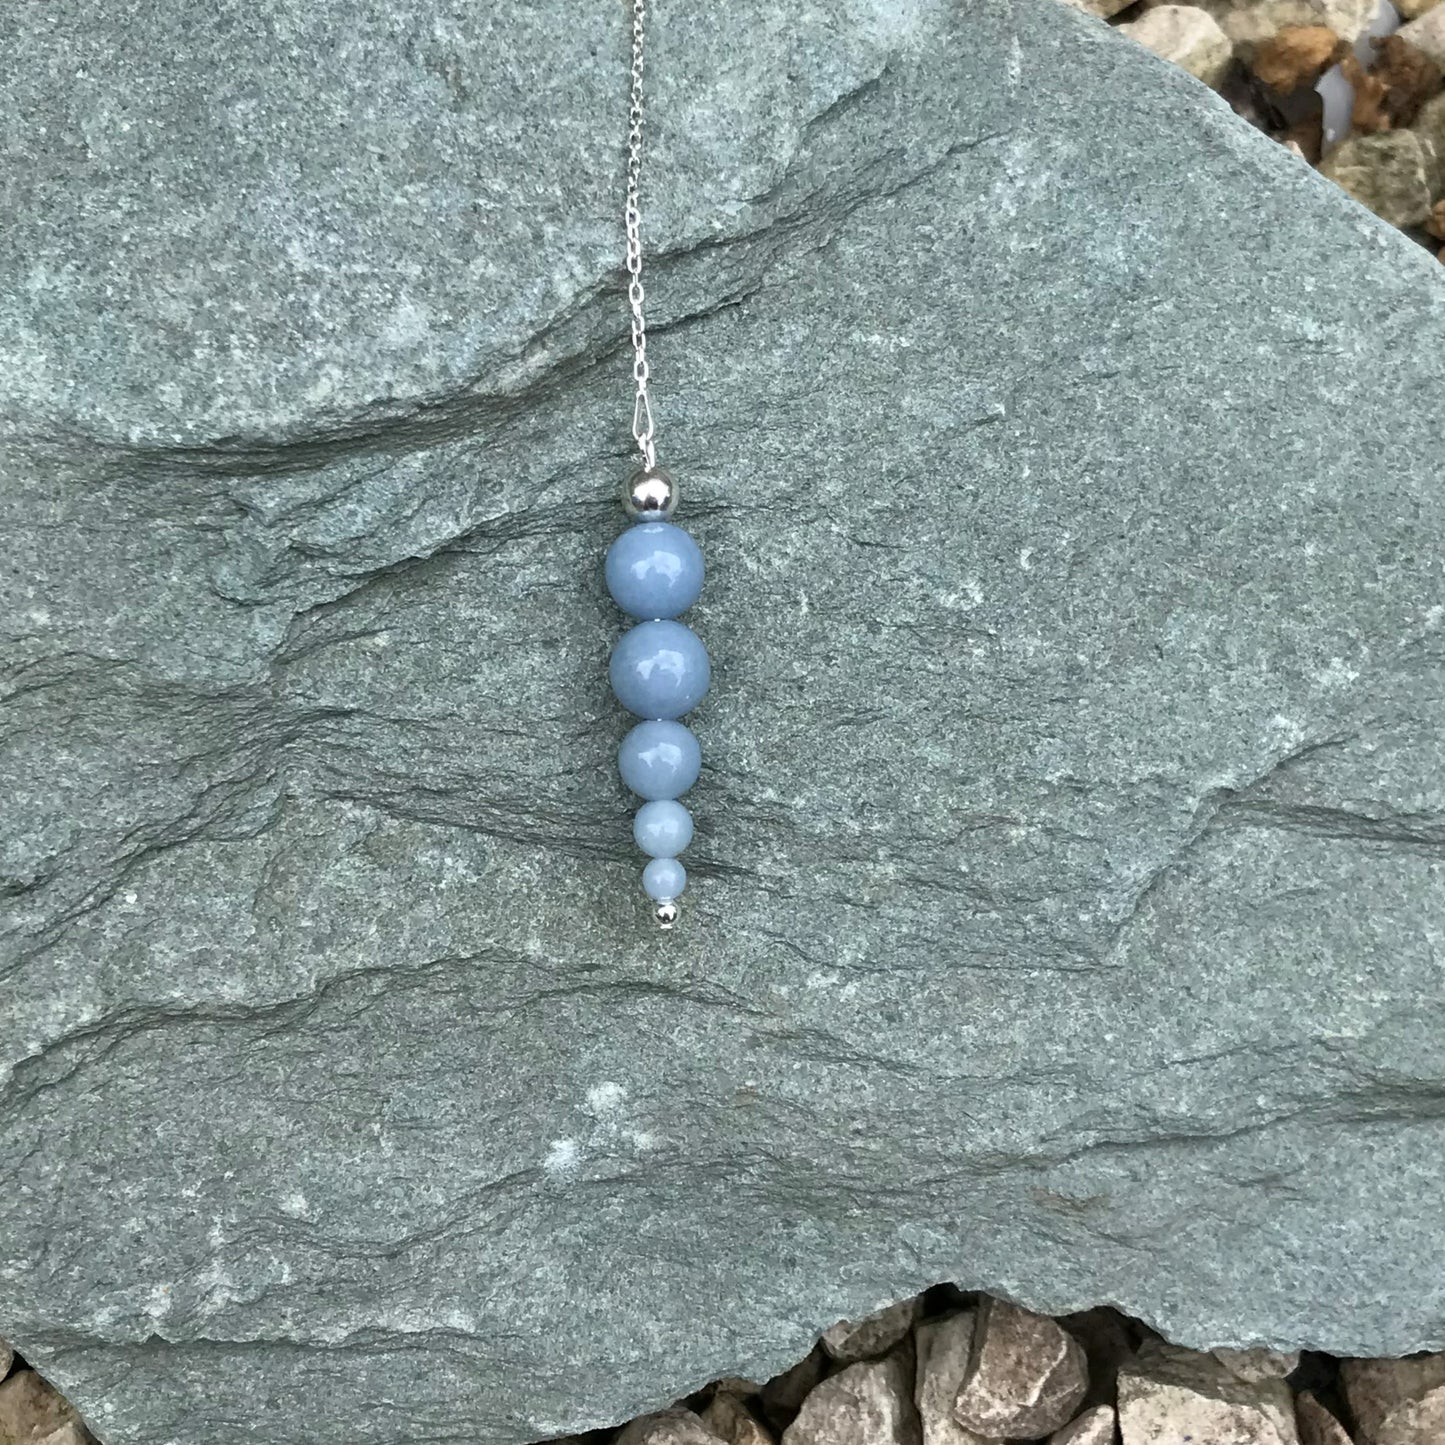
(1067, 916)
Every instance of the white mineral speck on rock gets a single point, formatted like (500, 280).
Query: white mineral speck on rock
(562, 1158)
(604, 1099)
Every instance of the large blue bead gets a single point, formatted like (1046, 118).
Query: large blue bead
(662, 829)
(659, 760)
(659, 669)
(654, 570)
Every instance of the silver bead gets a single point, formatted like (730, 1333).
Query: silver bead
(666, 913)
(649, 495)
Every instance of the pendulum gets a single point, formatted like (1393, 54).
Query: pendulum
(659, 671)
(659, 668)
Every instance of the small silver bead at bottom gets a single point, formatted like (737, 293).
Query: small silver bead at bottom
(649, 495)
(666, 913)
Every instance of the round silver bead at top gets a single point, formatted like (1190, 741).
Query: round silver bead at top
(649, 495)
(666, 913)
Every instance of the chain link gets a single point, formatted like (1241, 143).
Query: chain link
(642, 427)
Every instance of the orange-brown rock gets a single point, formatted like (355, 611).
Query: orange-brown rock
(1371, 113)
(1411, 78)
(1297, 56)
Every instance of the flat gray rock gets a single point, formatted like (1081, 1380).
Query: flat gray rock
(1068, 900)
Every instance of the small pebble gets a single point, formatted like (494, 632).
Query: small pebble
(1187, 37)
(864, 1404)
(1427, 34)
(668, 1427)
(873, 1335)
(1094, 1427)
(1169, 1395)
(1249, 25)
(1397, 1402)
(1390, 174)
(1297, 57)
(943, 1349)
(31, 1413)
(1254, 1365)
(1410, 78)
(1026, 1376)
(731, 1421)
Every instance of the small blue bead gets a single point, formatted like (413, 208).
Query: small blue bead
(664, 878)
(662, 829)
(659, 670)
(659, 759)
(654, 570)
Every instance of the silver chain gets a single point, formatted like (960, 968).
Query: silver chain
(642, 428)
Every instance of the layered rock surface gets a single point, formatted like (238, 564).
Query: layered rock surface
(1067, 899)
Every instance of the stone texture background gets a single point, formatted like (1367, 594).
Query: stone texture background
(1068, 915)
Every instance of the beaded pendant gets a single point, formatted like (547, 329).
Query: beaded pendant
(659, 672)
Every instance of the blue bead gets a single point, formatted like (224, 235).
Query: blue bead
(659, 759)
(659, 669)
(654, 570)
(662, 829)
(664, 878)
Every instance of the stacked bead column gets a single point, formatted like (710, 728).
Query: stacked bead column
(659, 671)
